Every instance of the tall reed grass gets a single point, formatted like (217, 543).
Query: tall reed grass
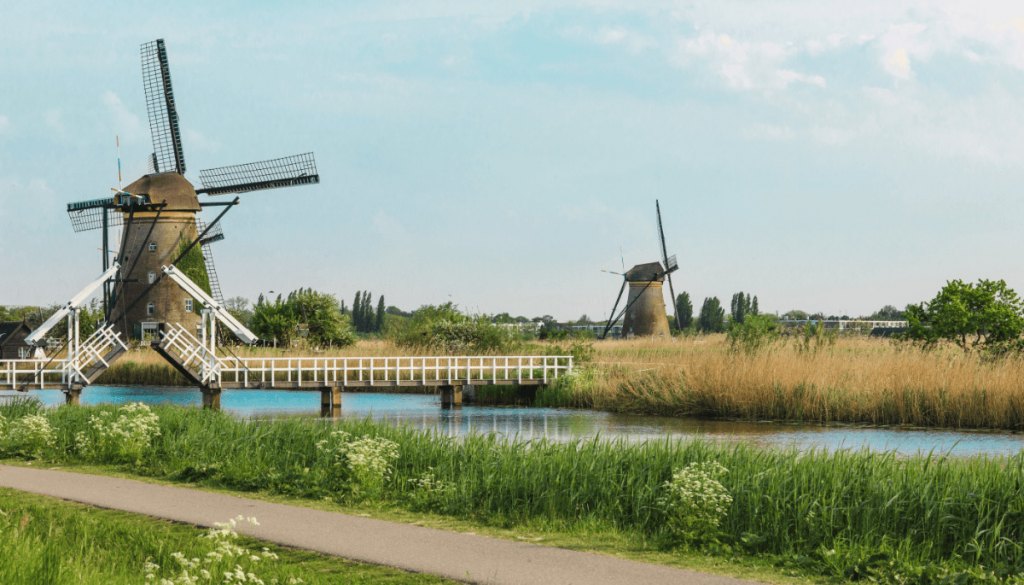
(845, 514)
(856, 380)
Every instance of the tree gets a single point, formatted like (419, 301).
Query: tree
(739, 307)
(356, 308)
(318, 312)
(684, 310)
(378, 325)
(988, 315)
(887, 313)
(239, 309)
(795, 315)
(754, 309)
(712, 316)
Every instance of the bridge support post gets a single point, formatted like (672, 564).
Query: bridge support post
(73, 395)
(451, 396)
(330, 402)
(211, 397)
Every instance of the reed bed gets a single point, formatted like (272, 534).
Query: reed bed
(846, 514)
(855, 380)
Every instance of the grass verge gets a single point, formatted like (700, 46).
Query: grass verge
(843, 515)
(43, 540)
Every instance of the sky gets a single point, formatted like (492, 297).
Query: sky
(825, 156)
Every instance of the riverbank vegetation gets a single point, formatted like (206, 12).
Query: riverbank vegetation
(847, 515)
(43, 540)
(816, 377)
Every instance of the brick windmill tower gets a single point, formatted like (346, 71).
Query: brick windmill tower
(159, 216)
(644, 312)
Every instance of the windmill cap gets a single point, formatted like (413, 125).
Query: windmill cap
(650, 272)
(171, 187)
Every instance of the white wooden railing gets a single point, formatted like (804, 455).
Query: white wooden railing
(33, 374)
(391, 371)
(297, 372)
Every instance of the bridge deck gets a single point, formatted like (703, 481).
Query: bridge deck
(323, 372)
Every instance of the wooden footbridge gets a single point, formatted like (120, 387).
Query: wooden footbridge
(197, 358)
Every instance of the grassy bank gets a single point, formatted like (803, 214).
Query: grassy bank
(846, 515)
(43, 540)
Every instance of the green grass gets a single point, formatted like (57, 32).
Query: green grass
(847, 515)
(47, 541)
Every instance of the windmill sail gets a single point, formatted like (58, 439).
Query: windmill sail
(163, 117)
(671, 264)
(299, 169)
(88, 215)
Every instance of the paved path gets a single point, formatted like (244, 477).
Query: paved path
(464, 557)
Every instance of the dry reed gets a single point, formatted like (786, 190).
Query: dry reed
(860, 380)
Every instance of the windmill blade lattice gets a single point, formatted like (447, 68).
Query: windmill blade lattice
(88, 215)
(299, 169)
(163, 116)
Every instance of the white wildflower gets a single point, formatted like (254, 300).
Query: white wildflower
(694, 502)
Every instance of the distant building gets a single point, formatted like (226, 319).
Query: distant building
(597, 329)
(851, 325)
(12, 340)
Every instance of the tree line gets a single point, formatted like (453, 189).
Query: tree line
(712, 318)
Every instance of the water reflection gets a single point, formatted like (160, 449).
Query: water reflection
(424, 412)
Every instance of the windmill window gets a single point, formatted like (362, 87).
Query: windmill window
(152, 246)
(151, 308)
(188, 305)
(152, 277)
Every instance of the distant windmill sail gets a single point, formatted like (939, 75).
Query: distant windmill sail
(671, 264)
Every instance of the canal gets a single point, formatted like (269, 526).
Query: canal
(525, 423)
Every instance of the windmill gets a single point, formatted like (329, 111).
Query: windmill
(645, 306)
(158, 214)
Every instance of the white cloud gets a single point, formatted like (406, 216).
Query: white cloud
(127, 124)
(903, 42)
(769, 133)
(897, 63)
(613, 36)
(743, 65)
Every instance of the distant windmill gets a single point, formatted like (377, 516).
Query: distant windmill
(158, 213)
(645, 306)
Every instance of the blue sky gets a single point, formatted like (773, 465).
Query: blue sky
(825, 156)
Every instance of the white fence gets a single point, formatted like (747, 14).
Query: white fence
(33, 374)
(391, 371)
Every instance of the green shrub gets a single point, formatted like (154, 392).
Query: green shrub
(444, 329)
(754, 333)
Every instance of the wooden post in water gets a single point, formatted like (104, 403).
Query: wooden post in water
(73, 395)
(211, 397)
(330, 401)
(451, 396)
